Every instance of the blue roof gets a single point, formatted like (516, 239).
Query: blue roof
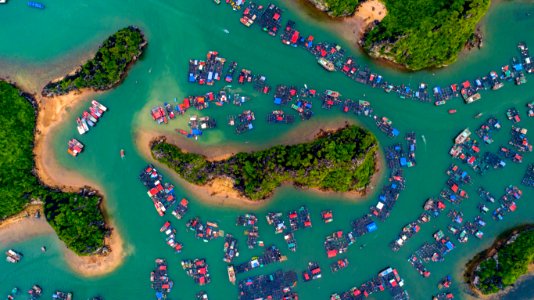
(277, 100)
(518, 67)
(449, 245)
(250, 126)
(395, 132)
(403, 161)
(371, 227)
(382, 197)
(197, 132)
(191, 77)
(393, 185)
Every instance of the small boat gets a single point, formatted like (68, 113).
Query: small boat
(231, 274)
(122, 153)
(43, 249)
(80, 127)
(226, 31)
(452, 111)
(97, 104)
(325, 63)
(38, 5)
(478, 115)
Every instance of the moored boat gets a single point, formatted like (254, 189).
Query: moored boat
(325, 63)
(122, 153)
(231, 274)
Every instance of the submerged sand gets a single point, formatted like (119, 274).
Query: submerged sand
(220, 192)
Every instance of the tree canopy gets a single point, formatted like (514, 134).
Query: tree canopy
(76, 217)
(339, 161)
(107, 68)
(424, 33)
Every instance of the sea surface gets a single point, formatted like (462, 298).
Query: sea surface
(46, 43)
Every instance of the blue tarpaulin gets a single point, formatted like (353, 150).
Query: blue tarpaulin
(403, 161)
(395, 132)
(371, 227)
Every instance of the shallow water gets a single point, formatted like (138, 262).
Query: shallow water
(45, 43)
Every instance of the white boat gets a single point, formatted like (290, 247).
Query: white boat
(96, 103)
(84, 124)
(80, 128)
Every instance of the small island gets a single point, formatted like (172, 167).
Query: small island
(108, 67)
(340, 161)
(500, 266)
(77, 218)
(415, 34)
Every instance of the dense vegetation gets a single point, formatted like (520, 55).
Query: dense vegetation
(76, 218)
(340, 161)
(512, 261)
(107, 68)
(341, 7)
(424, 33)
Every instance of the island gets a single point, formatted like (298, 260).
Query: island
(108, 67)
(415, 34)
(500, 266)
(77, 218)
(342, 160)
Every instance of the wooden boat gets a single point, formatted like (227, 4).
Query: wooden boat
(452, 111)
(231, 274)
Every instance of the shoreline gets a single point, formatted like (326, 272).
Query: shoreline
(220, 191)
(50, 113)
(473, 263)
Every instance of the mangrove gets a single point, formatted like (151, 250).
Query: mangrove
(422, 34)
(340, 161)
(76, 217)
(107, 68)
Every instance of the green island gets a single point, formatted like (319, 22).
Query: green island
(336, 8)
(501, 265)
(421, 34)
(107, 68)
(76, 217)
(341, 161)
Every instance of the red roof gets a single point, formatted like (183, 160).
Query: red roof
(316, 271)
(331, 253)
(466, 84)
(295, 37)
(454, 188)
(276, 16)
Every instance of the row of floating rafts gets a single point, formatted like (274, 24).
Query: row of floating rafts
(170, 237)
(90, 117)
(198, 270)
(160, 281)
(332, 57)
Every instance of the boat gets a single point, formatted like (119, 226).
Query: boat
(231, 274)
(97, 104)
(325, 63)
(122, 153)
(38, 5)
(478, 115)
(217, 1)
(452, 111)
(75, 147)
(13, 256)
(463, 136)
(80, 127)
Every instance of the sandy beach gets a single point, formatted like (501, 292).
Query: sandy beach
(52, 113)
(352, 28)
(220, 192)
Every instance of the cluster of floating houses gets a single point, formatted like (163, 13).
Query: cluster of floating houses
(90, 117)
(278, 285)
(198, 270)
(161, 194)
(270, 255)
(332, 57)
(74, 147)
(160, 280)
(388, 279)
(170, 237)
(250, 222)
(205, 231)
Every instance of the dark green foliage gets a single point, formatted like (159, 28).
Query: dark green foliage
(341, 7)
(107, 68)
(340, 161)
(425, 33)
(513, 261)
(77, 219)
(17, 122)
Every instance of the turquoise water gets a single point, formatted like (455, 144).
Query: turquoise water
(38, 45)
